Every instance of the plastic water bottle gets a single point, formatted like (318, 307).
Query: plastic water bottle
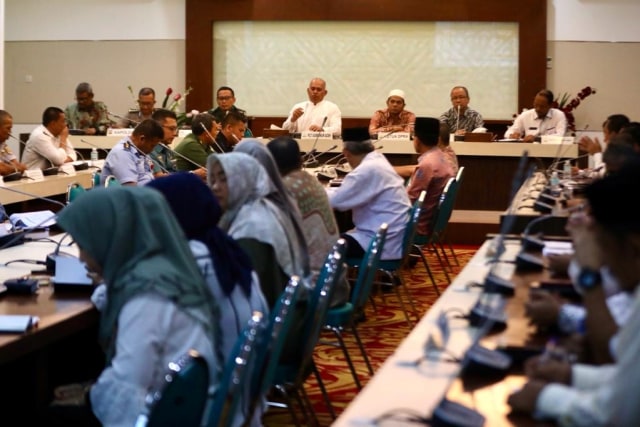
(554, 182)
(566, 170)
(94, 154)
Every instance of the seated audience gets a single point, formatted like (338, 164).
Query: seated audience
(232, 130)
(49, 144)
(146, 102)
(584, 395)
(460, 118)
(259, 225)
(158, 306)
(225, 267)
(374, 193)
(318, 222)
(198, 145)
(8, 161)
(163, 159)
(394, 118)
(129, 159)
(538, 121)
(432, 173)
(87, 115)
(611, 127)
(316, 114)
(226, 99)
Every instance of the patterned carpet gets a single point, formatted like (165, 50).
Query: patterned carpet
(381, 333)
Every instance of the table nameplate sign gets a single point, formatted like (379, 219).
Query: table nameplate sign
(68, 169)
(34, 174)
(402, 136)
(314, 135)
(119, 132)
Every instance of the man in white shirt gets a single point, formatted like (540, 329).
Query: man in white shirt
(49, 144)
(316, 114)
(374, 193)
(541, 120)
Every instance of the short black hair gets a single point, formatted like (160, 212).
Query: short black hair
(546, 93)
(226, 88)
(161, 114)
(233, 117)
(286, 152)
(51, 114)
(149, 128)
(200, 120)
(4, 114)
(632, 129)
(616, 122)
(147, 91)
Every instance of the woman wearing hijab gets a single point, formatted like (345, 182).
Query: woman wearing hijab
(260, 226)
(225, 267)
(157, 307)
(282, 198)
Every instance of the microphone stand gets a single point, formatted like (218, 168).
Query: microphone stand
(212, 138)
(313, 147)
(166, 147)
(94, 146)
(117, 116)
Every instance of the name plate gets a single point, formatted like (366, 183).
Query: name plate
(314, 135)
(404, 136)
(557, 139)
(68, 169)
(34, 174)
(183, 132)
(119, 132)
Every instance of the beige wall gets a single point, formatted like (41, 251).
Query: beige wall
(56, 67)
(612, 68)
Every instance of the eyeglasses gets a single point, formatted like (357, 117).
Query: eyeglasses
(146, 103)
(171, 128)
(454, 98)
(224, 98)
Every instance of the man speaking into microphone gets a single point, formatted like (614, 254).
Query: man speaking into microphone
(309, 116)
(198, 145)
(460, 118)
(394, 118)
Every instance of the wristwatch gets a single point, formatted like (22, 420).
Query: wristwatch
(589, 279)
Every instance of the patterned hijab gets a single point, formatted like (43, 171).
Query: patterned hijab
(132, 234)
(282, 197)
(252, 214)
(198, 212)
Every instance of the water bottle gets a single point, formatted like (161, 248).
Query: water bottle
(554, 182)
(94, 154)
(566, 170)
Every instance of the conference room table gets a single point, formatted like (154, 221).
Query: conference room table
(61, 348)
(413, 380)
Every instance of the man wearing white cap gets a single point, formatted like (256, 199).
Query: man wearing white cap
(460, 118)
(394, 118)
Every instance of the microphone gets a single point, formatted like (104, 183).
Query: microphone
(315, 155)
(166, 147)
(94, 146)
(212, 138)
(313, 147)
(117, 116)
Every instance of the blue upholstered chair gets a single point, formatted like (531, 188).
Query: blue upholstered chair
(181, 400)
(342, 317)
(234, 388)
(290, 378)
(73, 191)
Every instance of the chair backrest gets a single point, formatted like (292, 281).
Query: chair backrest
(320, 299)
(95, 178)
(111, 180)
(445, 207)
(236, 378)
(182, 399)
(368, 268)
(412, 224)
(460, 175)
(73, 191)
(270, 348)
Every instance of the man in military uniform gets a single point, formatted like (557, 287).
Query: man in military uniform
(86, 114)
(226, 99)
(146, 103)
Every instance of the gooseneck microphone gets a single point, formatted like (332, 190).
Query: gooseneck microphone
(315, 142)
(315, 155)
(94, 146)
(174, 152)
(117, 116)
(212, 138)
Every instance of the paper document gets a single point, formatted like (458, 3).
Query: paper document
(35, 219)
(16, 323)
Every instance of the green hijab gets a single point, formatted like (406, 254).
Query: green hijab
(132, 234)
